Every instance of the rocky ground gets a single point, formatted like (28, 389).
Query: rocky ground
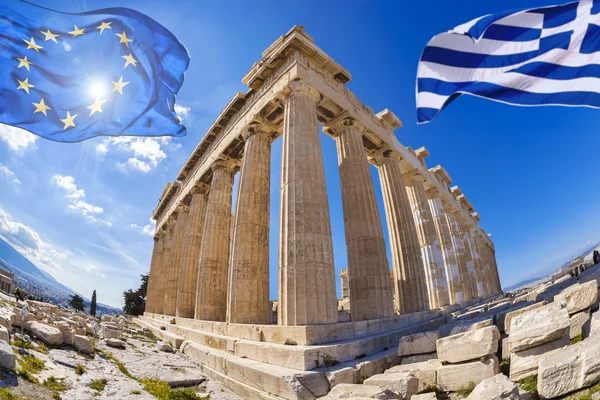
(62, 355)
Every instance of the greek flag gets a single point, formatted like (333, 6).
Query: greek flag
(541, 56)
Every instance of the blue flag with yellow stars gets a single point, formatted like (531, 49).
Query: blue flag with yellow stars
(70, 77)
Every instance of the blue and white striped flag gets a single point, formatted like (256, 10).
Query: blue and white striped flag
(541, 56)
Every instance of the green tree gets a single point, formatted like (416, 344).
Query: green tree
(135, 300)
(93, 304)
(76, 303)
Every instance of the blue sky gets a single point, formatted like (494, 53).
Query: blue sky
(81, 211)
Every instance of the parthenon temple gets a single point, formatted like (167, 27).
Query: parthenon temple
(209, 275)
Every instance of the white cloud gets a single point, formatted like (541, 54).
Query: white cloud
(147, 152)
(17, 139)
(27, 241)
(77, 201)
(101, 149)
(5, 171)
(135, 164)
(147, 229)
(181, 111)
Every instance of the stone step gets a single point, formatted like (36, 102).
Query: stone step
(165, 335)
(297, 357)
(255, 379)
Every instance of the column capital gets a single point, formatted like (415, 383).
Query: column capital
(256, 129)
(384, 155)
(300, 87)
(225, 163)
(422, 153)
(476, 216)
(182, 208)
(338, 125)
(440, 173)
(199, 188)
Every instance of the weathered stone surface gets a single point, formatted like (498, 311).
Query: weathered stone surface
(539, 326)
(419, 343)
(164, 346)
(456, 376)
(570, 368)
(109, 333)
(348, 391)
(46, 333)
(579, 296)
(510, 315)
(595, 323)
(466, 326)
(578, 320)
(495, 388)
(424, 396)
(115, 343)
(4, 334)
(425, 371)
(7, 319)
(469, 345)
(525, 363)
(82, 344)
(505, 349)
(7, 357)
(418, 358)
(403, 384)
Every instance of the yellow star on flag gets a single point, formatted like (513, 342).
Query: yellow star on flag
(31, 45)
(69, 120)
(97, 106)
(124, 38)
(24, 85)
(119, 85)
(24, 63)
(129, 60)
(103, 26)
(77, 31)
(49, 36)
(41, 107)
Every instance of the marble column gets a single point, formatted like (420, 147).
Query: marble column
(188, 275)
(368, 268)
(431, 252)
(211, 289)
(248, 289)
(487, 275)
(460, 252)
(477, 260)
(497, 283)
(344, 283)
(467, 243)
(306, 274)
(455, 291)
(410, 284)
(161, 286)
(174, 261)
(159, 242)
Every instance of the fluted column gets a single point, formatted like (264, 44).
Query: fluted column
(188, 275)
(455, 290)
(368, 268)
(344, 283)
(159, 242)
(459, 252)
(410, 283)
(306, 273)
(211, 291)
(174, 261)
(248, 289)
(497, 283)
(486, 276)
(161, 284)
(431, 252)
(467, 242)
(477, 261)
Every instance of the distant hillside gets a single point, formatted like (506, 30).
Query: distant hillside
(521, 284)
(38, 282)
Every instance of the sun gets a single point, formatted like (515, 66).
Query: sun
(98, 88)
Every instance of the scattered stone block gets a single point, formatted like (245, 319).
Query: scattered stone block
(418, 358)
(82, 344)
(595, 323)
(109, 333)
(419, 343)
(425, 371)
(578, 320)
(7, 319)
(424, 396)
(569, 369)
(348, 390)
(469, 345)
(466, 326)
(505, 348)
(46, 333)
(4, 335)
(511, 314)
(403, 384)
(579, 296)
(164, 346)
(525, 363)
(539, 326)
(453, 377)
(7, 356)
(497, 387)
(115, 343)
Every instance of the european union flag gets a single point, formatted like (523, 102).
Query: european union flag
(71, 77)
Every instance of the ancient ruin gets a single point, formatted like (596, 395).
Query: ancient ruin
(208, 291)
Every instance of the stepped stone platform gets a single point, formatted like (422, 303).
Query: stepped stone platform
(295, 362)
